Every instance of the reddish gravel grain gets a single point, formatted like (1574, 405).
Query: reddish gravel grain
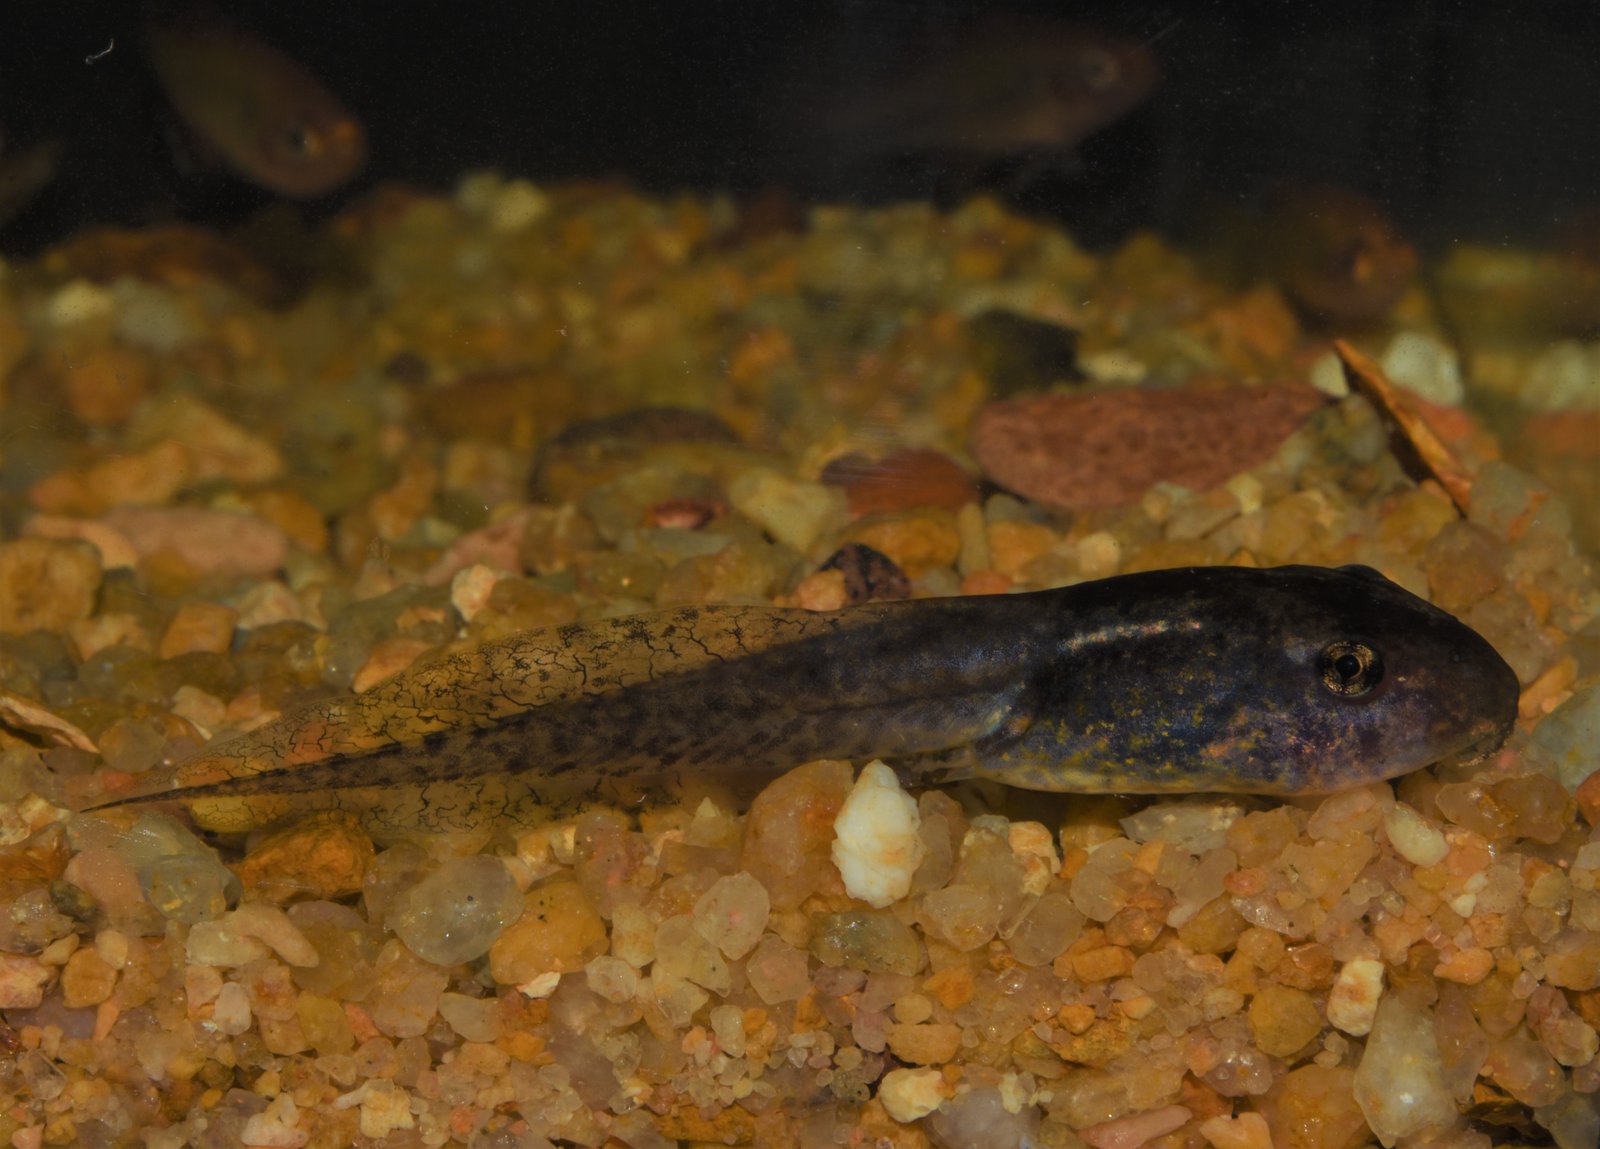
(1089, 452)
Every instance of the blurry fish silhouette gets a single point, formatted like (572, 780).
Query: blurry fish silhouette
(257, 112)
(1002, 88)
(24, 174)
(1335, 253)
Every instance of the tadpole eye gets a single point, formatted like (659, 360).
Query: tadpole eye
(1350, 669)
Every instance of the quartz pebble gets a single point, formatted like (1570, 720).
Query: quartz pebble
(455, 913)
(1400, 1081)
(732, 914)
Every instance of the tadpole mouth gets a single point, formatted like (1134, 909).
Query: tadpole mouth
(1488, 737)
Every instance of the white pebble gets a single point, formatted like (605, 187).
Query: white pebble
(540, 986)
(876, 846)
(910, 1094)
(1413, 838)
(1353, 1001)
(1327, 376)
(1424, 366)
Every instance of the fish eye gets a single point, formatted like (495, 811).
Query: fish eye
(1350, 669)
(302, 141)
(1098, 70)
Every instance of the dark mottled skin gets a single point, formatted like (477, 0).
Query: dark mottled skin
(1182, 680)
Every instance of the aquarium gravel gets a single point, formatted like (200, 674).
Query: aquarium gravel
(519, 407)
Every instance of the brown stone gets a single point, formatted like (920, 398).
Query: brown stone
(324, 857)
(46, 584)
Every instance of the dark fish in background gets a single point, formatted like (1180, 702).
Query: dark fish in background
(1335, 253)
(24, 174)
(257, 112)
(1003, 87)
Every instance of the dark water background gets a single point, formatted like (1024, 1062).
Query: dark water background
(1466, 120)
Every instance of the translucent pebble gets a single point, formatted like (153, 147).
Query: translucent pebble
(871, 940)
(1503, 498)
(188, 889)
(455, 914)
(406, 992)
(1525, 1069)
(473, 1018)
(978, 1119)
(1399, 1083)
(1196, 826)
(1241, 1070)
(230, 1013)
(732, 914)
(346, 944)
(182, 876)
(1570, 734)
(683, 955)
(727, 1024)
(1465, 564)
(789, 831)
(218, 943)
(272, 926)
(1541, 807)
(964, 914)
(1052, 925)
(1359, 811)
(1099, 889)
(1573, 1121)
(1507, 620)
(792, 511)
(1203, 885)
(557, 933)
(612, 978)
(391, 873)
(777, 971)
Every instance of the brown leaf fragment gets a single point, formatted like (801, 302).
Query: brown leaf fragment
(1087, 452)
(20, 714)
(914, 477)
(1425, 454)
